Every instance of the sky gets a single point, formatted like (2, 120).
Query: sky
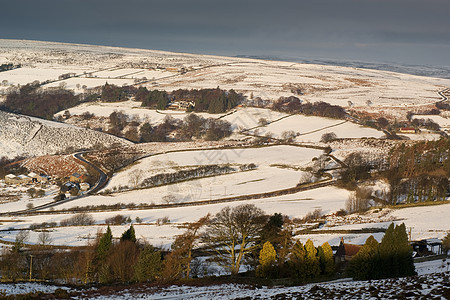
(391, 31)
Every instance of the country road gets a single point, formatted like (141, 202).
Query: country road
(101, 182)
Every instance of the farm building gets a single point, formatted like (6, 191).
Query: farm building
(77, 177)
(427, 247)
(345, 251)
(20, 179)
(407, 130)
(39, 177)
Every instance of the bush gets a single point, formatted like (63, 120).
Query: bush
(162, 221)
(81, 219)
(116, 220)
(328, 137)
(313, 215)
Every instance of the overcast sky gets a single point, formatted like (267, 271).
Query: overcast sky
(402, 31)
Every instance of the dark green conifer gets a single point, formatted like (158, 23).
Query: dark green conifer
(129, 235)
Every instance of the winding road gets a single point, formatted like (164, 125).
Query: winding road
(101, 182)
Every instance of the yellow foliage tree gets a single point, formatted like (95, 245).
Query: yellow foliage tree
(267, 257)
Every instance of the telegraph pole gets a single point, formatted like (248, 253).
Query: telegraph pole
(31, 266)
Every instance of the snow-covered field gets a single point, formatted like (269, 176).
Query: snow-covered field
(291, 156)
(132, 109)
(278, 167)
(423, 223)
(329, 199)
(443, 120)
(311, 129)
(431, 284)
(265, 79)
(42, 72)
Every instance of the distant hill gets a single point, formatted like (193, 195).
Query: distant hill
(420, 70)
(26, 136)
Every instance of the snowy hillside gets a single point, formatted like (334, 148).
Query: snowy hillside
(94, 65)
(26, 136)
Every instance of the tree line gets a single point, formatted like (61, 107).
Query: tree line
(170, 129)
(233, 238)
(31, 101)
(419, 172)
(415, 173)
(204, 100)
(320, 109)
(8, 66)
(389, 259)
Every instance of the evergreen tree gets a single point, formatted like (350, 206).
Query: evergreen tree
(129, 235)
(298, 261)
(388, 266)
(104, 245)
(364, 264)
(148, 266)
(403, 255)
(102, 251)
(446, 243)
(312, 260)
(391, 258)
(267, 257)
(146, 133)
(326, 259)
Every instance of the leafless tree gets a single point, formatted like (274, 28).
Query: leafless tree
(233, 233)
(359, 200)
(44, 238)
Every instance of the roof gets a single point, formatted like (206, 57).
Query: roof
(23, 176)
(351, 249)
(32, 174)
(11, 176)
(433, 241)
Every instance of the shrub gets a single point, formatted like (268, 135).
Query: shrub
(313, 215)
(81, 219)
(116, 220)
(162, 221)
(328, 137)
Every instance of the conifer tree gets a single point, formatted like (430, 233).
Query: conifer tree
(312, 260)
(103, 249)
(403, 255)
(298, 261)
(148, 266)
(267, 257)
(129, 235)
(386, 252)
(104, 245)
(364, 264)
(326, 259)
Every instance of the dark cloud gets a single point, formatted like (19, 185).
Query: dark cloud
(409, 31)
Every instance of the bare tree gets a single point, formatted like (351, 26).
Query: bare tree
(21, 239)
(44, 238)
(328, 137)
(167, 199)
(136, 177)
(288, 136)
(233, 233)
(263, 122)
(178, 263)
(359, 200)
